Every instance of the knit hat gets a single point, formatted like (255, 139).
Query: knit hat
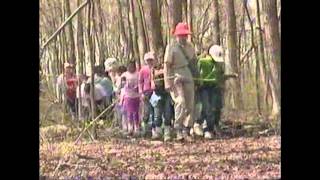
(149, 55)
(110, 63)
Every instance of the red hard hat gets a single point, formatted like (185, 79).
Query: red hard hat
(182, 29)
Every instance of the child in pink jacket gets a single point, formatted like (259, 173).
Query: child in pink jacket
(131, 98)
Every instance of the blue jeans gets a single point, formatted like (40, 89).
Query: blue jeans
(72, 103)
(148, 112)
(211, 98)
(163, 110)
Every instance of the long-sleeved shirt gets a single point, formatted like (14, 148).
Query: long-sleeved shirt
(146, 83)
(99, 94)
(131, 85)
(211, 71)
(175, 63)
(105, 83)
(66, 85)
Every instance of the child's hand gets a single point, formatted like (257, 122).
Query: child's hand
(142, 97)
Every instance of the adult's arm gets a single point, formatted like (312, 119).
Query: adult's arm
(167, 71)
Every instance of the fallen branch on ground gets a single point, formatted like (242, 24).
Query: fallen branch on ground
(91, 123)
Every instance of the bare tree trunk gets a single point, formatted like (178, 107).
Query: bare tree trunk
(145, 29)
(130, 34)
(273, 44)
(119, 45)
(262, 68)
(99, 32)
(232, 52)
(156, 39)
(189, 18)
(258, 88)
(61, 60)
(167, 21)
(175, 11)
(141, 34)
(70, 30)
(134, 34)
(66, 55)
(216, 23)
(122, 29)
(90, 44)
(204, 26)
(184, 4)
(92, 63)
(242, 74)
(80, 42)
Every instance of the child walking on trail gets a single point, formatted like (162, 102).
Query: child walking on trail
(121, 109)
(211, 68)
(146, 87)
(163, 106)
(132, 99)
(118, 94)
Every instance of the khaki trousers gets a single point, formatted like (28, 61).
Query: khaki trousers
(182, 94)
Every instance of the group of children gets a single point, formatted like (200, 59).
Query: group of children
(140, 96)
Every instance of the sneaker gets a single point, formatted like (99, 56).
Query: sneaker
(208, 135)
(197, 129)
(167, 134)
(145, 128)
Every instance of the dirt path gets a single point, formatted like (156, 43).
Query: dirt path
(237, 158)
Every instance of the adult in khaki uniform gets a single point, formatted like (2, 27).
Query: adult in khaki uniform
(179, 80)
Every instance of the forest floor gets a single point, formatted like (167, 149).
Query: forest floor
(236, 158)
(242, 151)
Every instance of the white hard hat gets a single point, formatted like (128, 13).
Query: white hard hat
(216, 53)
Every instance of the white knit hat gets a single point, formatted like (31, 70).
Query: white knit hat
(110, 63)
(149, 55)
(67, 65)
(216, 53)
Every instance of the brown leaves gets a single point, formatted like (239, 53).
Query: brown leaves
(238, 158)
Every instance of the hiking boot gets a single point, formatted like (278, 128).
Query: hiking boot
(146, 129)
(179, 135)
(186, 135)
(156, 133)
(167, 134)
(208, 135)
(197, 129)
